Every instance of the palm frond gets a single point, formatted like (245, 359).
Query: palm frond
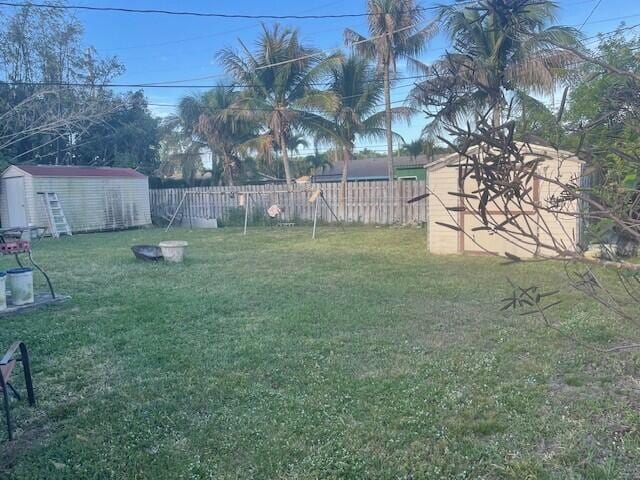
(377, 120)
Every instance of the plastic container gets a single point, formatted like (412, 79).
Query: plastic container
(173, 250)
(3, 291)
(20, 283)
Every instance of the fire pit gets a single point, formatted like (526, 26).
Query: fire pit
(150, 253)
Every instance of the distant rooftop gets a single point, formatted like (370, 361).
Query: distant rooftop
(374, 168)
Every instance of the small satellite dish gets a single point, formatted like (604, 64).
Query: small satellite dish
(274, 211)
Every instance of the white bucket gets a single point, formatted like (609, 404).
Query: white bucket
(173, 251)
(20, 283)
(3, 291)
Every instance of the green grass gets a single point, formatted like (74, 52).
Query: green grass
(273, 356)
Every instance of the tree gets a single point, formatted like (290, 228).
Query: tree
(180, 152)
(40, 51)
(502, 48)
(394, 35)
(603, 122)
(31, 124)
(127, 137)
(359, 89)
(280, 78)
(415, 148)
(213, 120)
(536, 122)
(596, 95)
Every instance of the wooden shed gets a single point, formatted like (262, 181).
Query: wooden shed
(443, 178)
(93, 198)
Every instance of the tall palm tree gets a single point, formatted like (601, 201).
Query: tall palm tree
(501, 48)
(280, 77)
(359, 88)
(395, 33)
(227, 135)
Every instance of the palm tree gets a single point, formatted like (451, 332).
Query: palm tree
(501, 47)
(415, 148)
(395, 34)
(209, 119)
(177, 152)
(179, 147)
(280, 76)
(357, 115)
(226, 134)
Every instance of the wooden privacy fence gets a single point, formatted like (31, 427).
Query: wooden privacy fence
(366, 202)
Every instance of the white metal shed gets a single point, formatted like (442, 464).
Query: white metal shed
(93, 198)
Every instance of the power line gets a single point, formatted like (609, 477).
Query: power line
(246, 109)
(177, 83)
(191, 13)
(182, 13)
(180, 40)
(337, 50)
(610, 19)
(217, 34)
(174, 83)
(587, 40)
(597, 36)
(183, 40)
(188, 13)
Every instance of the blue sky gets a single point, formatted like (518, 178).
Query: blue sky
(161, 48)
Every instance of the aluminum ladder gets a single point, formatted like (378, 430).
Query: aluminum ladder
(55, 215)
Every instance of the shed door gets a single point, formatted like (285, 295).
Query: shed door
(17, 212)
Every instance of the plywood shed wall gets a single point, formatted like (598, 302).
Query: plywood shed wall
(442, 178)
(93, 198)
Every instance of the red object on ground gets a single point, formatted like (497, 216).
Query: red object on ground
(18, 246)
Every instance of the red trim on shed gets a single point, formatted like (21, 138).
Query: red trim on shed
(75, 171)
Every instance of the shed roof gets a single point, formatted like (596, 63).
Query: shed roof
(78, 171)
(549, 152)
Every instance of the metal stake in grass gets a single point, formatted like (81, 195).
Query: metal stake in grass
(331, 210)
(247, 197)
(314, 198)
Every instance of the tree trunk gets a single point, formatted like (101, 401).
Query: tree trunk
(347, 156)
(387, 105)
(496, 116)
(228, 169)
(285, 158)
(497, 112)
(58, 147)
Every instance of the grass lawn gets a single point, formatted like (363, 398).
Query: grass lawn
(272, 356)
